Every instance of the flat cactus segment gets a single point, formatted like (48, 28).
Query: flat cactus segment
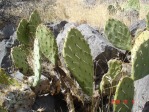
(7, 80)
(22, 32)
(124, 93)
(19, 57)
(133, 4)
(47, 43)
(110, 78)
(139, 56)
(118, 34)
(147, 20)
(37, 64)
(78, 59)
(34, 21)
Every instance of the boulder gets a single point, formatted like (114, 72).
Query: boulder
(101, 49)
(141, 94)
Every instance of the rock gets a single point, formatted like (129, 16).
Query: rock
(8, 30)
(146, 107)
(56, 27)
(139, 25)
(50, 103)
(101, 49)
(2, 51)
(6, 62)
(141, 94)
(90, 2)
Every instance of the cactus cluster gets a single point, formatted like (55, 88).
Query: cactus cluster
(38, 45)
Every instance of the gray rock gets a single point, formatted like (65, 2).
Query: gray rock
(101, 49)
(139, 25)
(146, 107)
(6, 59)
(141, 94)
(2, 51)
(8, 30)
(56, 27)
(90, 2)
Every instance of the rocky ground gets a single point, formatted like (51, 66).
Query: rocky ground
(102, 50)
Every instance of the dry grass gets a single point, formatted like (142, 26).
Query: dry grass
(77, 11)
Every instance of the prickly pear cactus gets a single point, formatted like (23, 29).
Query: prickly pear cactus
(78, 59)
(139, 56)
(111, 77)
(118, 34)
(37, 64)
(34, 21)
(111, 10)
(20, 58)
(123, 99)
(147, 21)
(22, 32)
(133, 4)
(47, 43)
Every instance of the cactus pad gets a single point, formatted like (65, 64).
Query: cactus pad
(20, 59)
(22, 32)
(118, 34)
(124, 93)
(140, 53)
(37, 65)
(78, 59)
(147, 20)
(34, 21)
(47, 43)
(114, 72)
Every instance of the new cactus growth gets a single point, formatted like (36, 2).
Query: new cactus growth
(78, 59)
(140, 52)
(20, 58)
(124, 95)
(22, 32)
(34, 21)
(111, 77)
(47, 43)
(118, 34)
(37, 65)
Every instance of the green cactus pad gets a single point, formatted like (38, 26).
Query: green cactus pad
(118, 34)
(78, 59)
(125, 94)
(140, 59)
(34, 21)
(47, 43)
(115, 67)
(19, 57)
(22, 32)
(133, 4)
(7, 80)
(147, 20)
(37, 65)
